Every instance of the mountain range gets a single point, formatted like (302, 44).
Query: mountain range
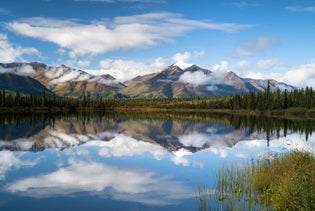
(177, 80)
(170, 135)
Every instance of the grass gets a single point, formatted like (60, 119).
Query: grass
(287, 182)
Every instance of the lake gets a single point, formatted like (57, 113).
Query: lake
(130, 162)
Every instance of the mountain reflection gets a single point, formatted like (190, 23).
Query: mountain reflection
(148, 162)
(36, 134)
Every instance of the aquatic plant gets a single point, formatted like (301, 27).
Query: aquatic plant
(285, 182)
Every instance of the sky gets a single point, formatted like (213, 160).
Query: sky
(126, 38)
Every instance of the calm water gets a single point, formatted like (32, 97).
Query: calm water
(111, 163)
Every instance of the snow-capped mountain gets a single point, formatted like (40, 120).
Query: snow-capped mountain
(178, 80)
(64, 80)
(193, 81)
(56, 74)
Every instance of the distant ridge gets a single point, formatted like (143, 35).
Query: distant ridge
(23, 84)
(180, 80)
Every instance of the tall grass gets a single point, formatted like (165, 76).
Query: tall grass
(287, 182)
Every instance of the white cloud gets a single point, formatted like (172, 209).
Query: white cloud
(9, 161)
(300, 76)
(270, 63)
(300, 9)
(123, 183)
(180, 160)
(196, 78)
(259, 46)
(159, 63)
(222, 66)
(182, 57)
(194, 139)
(221, 151)
(123, 145)
(122, 33)
(303, 75)
(124, 70)
(258, 147)
(11, 53)
(83, 63)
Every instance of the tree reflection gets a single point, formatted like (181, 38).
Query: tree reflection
(272, 127)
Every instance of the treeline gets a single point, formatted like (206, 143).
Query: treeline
(16, 102)
(252, 101)
(272, 127)
(260, 101)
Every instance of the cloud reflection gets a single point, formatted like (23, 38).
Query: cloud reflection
(122, 145)
(9, 160)
(118, 182)
(253, 148)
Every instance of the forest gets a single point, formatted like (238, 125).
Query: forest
(296, 101)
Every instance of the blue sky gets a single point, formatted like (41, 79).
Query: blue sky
(126, 38)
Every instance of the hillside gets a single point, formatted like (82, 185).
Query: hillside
(176, 81)
(23, 84)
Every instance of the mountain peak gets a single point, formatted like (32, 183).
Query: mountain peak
(182, 65)
(178, 80)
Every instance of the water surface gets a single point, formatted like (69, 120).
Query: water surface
(119, 163)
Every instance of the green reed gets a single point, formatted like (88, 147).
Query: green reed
(286, 182)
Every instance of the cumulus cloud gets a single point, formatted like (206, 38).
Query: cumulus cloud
(186, 56)
(180, 160)
(12, 53)
(222, 66)
(259, 46)
(122, 145)
(182, 57)
(258, 147)
(103, 180)
(120, 33)
(303, 75)
(194, 139)
(300, 76)
(124, 70)
(9, 160)
(199, 78)
(83, 63)
(196, 78)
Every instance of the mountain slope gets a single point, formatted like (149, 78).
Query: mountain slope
(194, 81)
(24, 84)
(180, 80)
(66, 81)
